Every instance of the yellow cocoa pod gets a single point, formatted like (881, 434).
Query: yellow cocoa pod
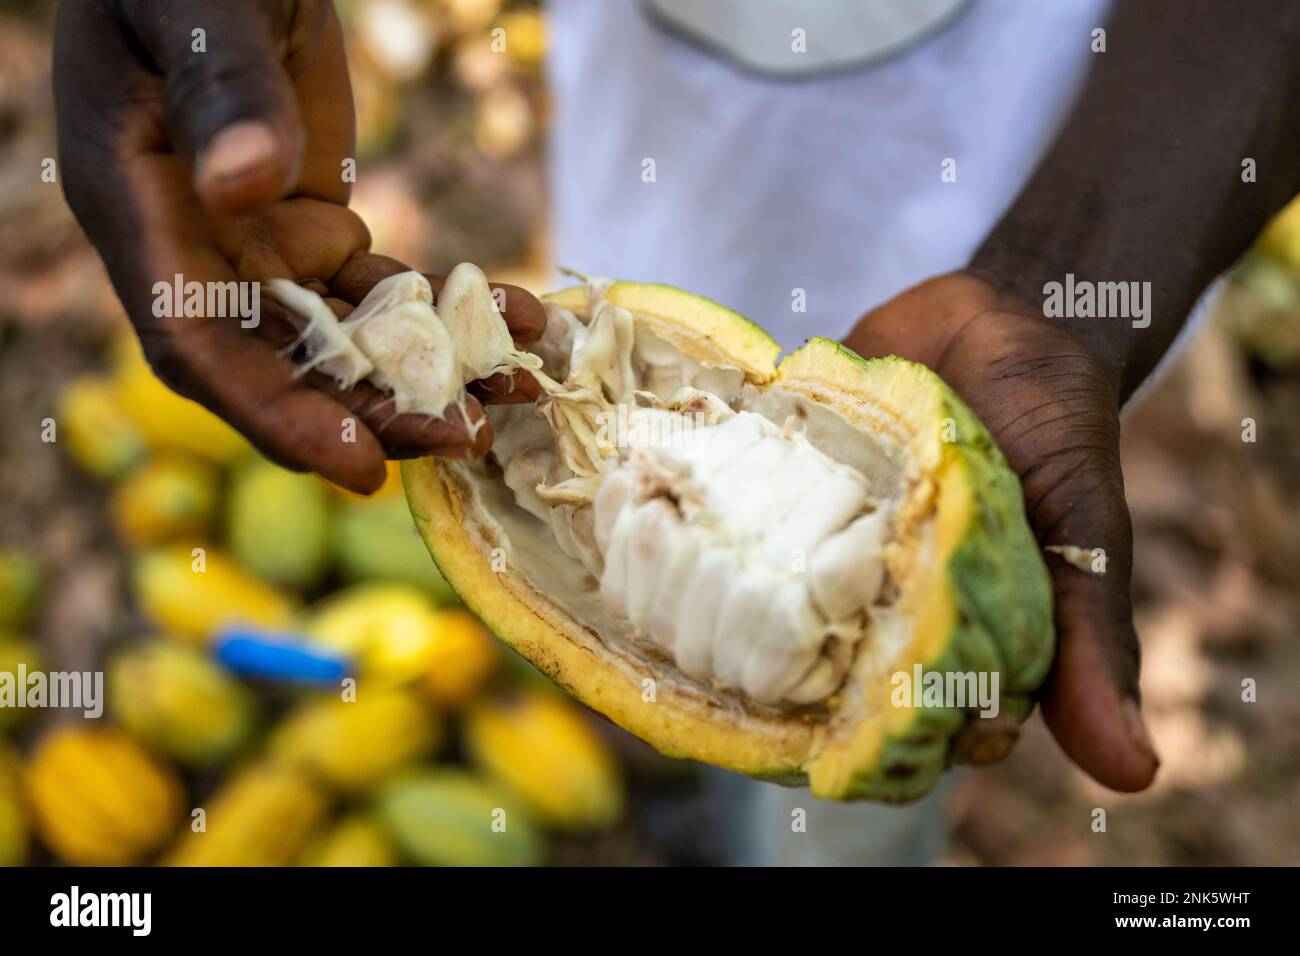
(13, 824)
(464, 657)
(163, 500)
(540, 746)
(355, 840)
(178, 702)
(389, 630)
(263, 816)
(193, 595)
(95, 430)
(168, 422)
(98, 799)
(354, 745)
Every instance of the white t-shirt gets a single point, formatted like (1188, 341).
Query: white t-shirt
(669, 163)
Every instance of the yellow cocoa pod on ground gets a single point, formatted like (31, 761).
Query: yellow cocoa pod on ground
(352, 746)
(396, 635)
(464, 658)
(168, 422)
(13, 823)
(194, 595)
(263, 816)
(540, 746)
(278, 523)
(178, 702)
(15, 651)
(389, 630)
(355, 840)
(98, 799)
(95, 430)
(163, 500)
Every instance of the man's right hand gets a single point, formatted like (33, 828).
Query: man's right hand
(1052, 406)
(218, 156)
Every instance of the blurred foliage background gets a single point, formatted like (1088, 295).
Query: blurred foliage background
(98, 532)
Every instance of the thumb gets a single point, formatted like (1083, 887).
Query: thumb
(1091, 701)
(230, 105)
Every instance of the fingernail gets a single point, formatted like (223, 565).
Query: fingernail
(1137, 730)
(237, 150)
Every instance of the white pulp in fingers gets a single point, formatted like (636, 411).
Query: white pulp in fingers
(468, 309)
(388, 294)
(413, 357)
(329, 347)
(399, 341)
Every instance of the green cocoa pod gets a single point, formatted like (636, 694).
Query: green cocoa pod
(13, 824)
(20, 588)
(278, 524)
(446, 817)
(376, 540)
(13, 652)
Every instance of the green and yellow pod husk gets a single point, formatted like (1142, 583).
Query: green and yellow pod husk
(972, 592)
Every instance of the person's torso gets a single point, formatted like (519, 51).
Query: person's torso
(673, 160)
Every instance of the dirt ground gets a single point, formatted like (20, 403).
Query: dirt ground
(1217, 519)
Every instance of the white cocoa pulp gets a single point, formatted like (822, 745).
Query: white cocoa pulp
(728, 552)
(729, 543)
(398, 340)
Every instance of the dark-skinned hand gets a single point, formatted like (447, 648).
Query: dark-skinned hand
(225, 165)
(1052, 406)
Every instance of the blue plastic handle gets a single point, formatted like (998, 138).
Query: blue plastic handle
(281, 658)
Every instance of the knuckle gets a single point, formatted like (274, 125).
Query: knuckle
(1075, 499)
(201, 85)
